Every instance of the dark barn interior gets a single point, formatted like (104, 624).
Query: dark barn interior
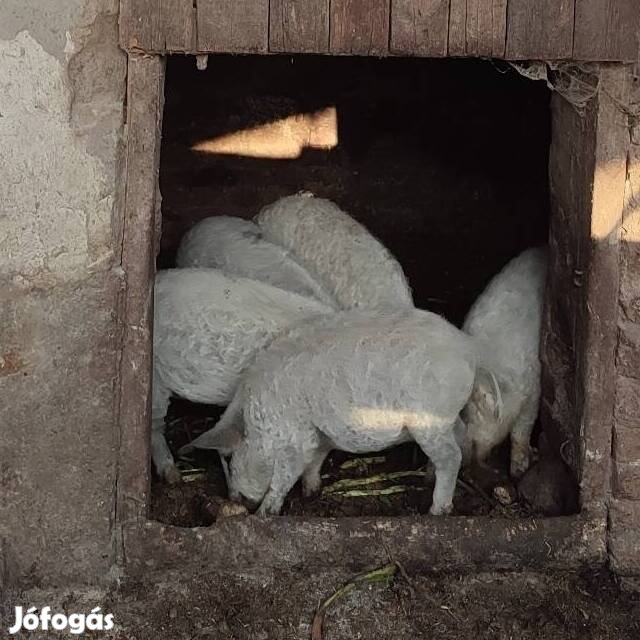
(444, 161)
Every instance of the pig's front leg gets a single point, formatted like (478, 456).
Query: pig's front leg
(521, 439)
(288, 468)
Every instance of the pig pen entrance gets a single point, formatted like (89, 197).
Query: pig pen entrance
(445, 162)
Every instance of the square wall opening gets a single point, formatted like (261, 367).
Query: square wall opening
(444, 161)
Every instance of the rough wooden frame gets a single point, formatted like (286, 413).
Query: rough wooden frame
(587, 174)
(586, 30)
(588, 203)
(145, 102)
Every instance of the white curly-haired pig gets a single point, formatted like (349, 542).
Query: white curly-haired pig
(353, 266)
(238, 247)
(505, 321)
(207, 328)
(354, 381)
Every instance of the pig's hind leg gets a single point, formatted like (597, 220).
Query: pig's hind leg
(439, 443)
(160, 453)
(311, 481)
(521, 438)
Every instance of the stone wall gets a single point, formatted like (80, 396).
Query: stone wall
(62, 87)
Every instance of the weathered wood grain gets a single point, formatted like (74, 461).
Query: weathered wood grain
(179, 25)
(477, 28)
(359, 27)
(140, 24)
(419, 27)
(607, 30)
(587, 178)
(595, 30)
(492, 21)
(233, 26)
(472, 36)
(540, 30)
(458, 28)
(145, 95)
(299, 26)
(601, 309)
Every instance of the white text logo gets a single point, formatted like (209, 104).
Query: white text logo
(77, 623)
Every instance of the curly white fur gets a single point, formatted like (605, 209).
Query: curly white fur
(505, 320)
(354, 267)
(207, 328)
(353, 381)
(238, 248)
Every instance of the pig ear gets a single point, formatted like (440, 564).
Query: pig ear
(488, 389)
(223, 437)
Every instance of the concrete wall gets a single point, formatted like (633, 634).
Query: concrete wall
(62, 85)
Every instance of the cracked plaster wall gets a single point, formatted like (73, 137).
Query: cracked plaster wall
(62, 87)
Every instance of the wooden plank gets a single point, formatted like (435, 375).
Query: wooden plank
(157, 26)
(178, 25)
(607, 30)
(139, 24)
(419, 27)
(540, 30)
(145, 95)
(493, 27)
(477, 28)
(233, 26)
(572, 137)
(359, 27)
(458, 28)
(471, 28)
(299, 26)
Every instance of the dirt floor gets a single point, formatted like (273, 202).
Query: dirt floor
(398, 481)
(267, 606)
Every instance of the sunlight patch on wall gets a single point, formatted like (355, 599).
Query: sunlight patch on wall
(283, 139)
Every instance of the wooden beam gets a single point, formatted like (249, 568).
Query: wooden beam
(607, 30)
(145, 96)
(419, 27)
(299, 26)
(360, 27)
(592, 30)
(587, 166)
(233, 26)
(540, 30)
